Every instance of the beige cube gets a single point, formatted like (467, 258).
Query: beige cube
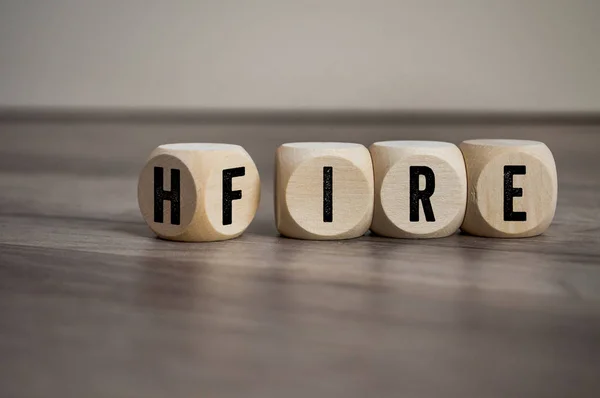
(512, 188)
(199, 192)
(323, 190)
(420, 189)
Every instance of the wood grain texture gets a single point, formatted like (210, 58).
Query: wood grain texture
(93, 305)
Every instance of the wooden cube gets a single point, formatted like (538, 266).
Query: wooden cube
(199, 192)
(512, 188)
(420, 189)
(323, 190)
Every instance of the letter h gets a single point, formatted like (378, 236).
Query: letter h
(160, 195)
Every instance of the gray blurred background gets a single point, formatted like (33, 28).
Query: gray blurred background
(409, 55)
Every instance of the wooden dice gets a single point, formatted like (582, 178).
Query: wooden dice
(332, 190)
(323, 190)
(199, 192)
(420, 189)
(512, 188)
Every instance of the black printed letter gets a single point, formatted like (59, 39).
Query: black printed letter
(161, 195)
(327, 194)
(424, 195)
(510, 193)
(228, 194)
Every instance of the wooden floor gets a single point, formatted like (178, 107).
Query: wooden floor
(92, 305)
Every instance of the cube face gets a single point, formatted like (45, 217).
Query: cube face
(323, 190)
(512, 188)
(420, 189)
(204, 192)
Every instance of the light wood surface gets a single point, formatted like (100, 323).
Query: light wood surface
(512, 187)
(217, 193)
(323, 190)
(93, 305)
(420, 189)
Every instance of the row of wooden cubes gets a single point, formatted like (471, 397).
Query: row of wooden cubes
(330, 190)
